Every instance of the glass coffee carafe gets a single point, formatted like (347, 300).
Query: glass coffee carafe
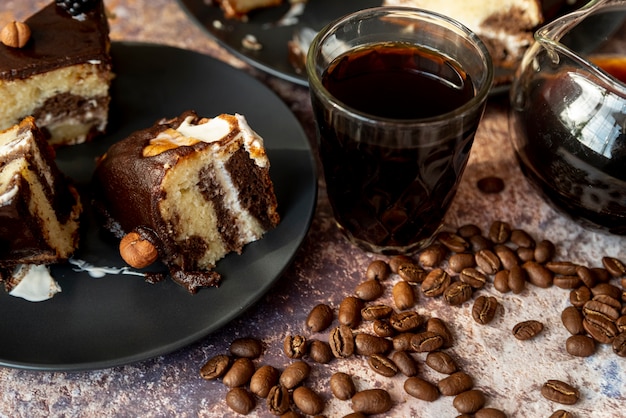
(568, 114)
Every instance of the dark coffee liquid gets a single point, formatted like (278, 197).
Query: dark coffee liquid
(394, 195)
(398, 81)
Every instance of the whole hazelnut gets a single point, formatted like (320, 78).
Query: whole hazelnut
(15, 34)
(137, 251)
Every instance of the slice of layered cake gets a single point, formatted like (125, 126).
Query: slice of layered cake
(61, 75)
(39, 208)
(187, 191)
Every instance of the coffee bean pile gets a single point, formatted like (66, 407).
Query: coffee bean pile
(390, 337)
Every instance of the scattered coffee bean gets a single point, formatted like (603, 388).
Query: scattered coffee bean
(441, 362)
(567, 282)
(383, 328)
(537, 274)
(522, 238)
(608, 300)
(378, 270)
(607, 289)
(263, 380)
(578, 297)
(341, 341)
(342, 386)
(614, 266)
(411, 272)
(421, 389)
(586, 276)
(405, 362)
(479, 242)
(402, 341)
(490, 185)
(487, 261)
(426, 341)
(468, 230)
(433, 255)
(439, 327)
(527, 329)
(307, 400)
(544, 251)
(517, 279)
(489, 413)
(367, 344)
(372, 401)
(453, 242)
(580, 345)
(295, 346)
(369, 290)
(349, 313)
(597, 308)
(246, 347)
(320, 318)
(239, 373)
(456, 383)
(457, 293)
(499, 232)
(600, 329)
(278, 400)
(403, 295)
(562, 414)
(397, 260)
(372, 312)
(484, 309)
(382, 365)
(525, 254)
(215, 367)
(572, 319)
(460, 261)
(620, 323)
(473, 277)
(501, 281)
(560, 392)
(435, 282)
(469, 401)
(508, 257)
(565, 268)
(240, 400)
(619, 344)
(294, 374)
(601, 274)
(320, 352)
(406, 321)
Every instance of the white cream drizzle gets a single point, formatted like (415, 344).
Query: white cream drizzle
(99, 272)
(34, 283)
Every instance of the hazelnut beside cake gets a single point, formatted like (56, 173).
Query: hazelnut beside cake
(39, 208)
(61, 75)
(194, 188)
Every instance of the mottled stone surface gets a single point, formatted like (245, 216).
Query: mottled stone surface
(327, 269)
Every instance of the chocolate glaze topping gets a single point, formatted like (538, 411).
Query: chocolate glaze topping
(58, 40)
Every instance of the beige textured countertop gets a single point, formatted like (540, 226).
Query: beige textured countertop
(327, 269)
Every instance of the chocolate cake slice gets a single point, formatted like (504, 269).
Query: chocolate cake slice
(195, 188)
(39, 208)
(61, 76)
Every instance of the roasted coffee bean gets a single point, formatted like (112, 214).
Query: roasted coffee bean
(441, 362)
(457, 293)
(439, 327)
(307, 400)
(580, 345)
(578, 297)
(453, 242)
(406, 321)
(426, 341)
(586, 276)
(341, 341)
(433, 255)
(565, 268)
(355, 415)
(294, 374)
(421, 389)
(508, 257)
(473, 277)
(411, 272)
(378, 270)
(544, 251)
(600, 329)
(614, 266)
(372, 401)
(383, 328)
(263, 380)
(484, 309)
(435, 282)
(522, 238)
(487, 261)
(538, 275)
(458, 262)
(501, 281)
(489, 413)
(572, 319)
(567, 282)
(479, 242)
(342, 386)
(619, 344)
(372, 312)
(349, 313)
(607, 289)
(469, 401)
(239, 373)
(468, 230)
(402, 342)
(562, 414)
(382, 365)
(525, 254)
(320, 352)
(405, 362)
(517, 279)
(278, 400)
(560, 392)
(240, 400)
(397, 260)
(601, 274)
(608, 300)
(320, 318)
(403, 295)
(367, 344)
(490, 184)
(295, 346)
(246, 347)
(526, 330)
(369, 290)
(291, 414)
(595, 307)
(456, 383)
(620, 323)
(215, 367)
(499, 232)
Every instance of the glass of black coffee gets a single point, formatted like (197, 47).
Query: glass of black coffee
(397, 95)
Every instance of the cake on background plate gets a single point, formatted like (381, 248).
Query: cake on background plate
(187, 191)
(61, 75)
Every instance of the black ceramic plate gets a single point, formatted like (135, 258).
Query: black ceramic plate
(119, 319)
